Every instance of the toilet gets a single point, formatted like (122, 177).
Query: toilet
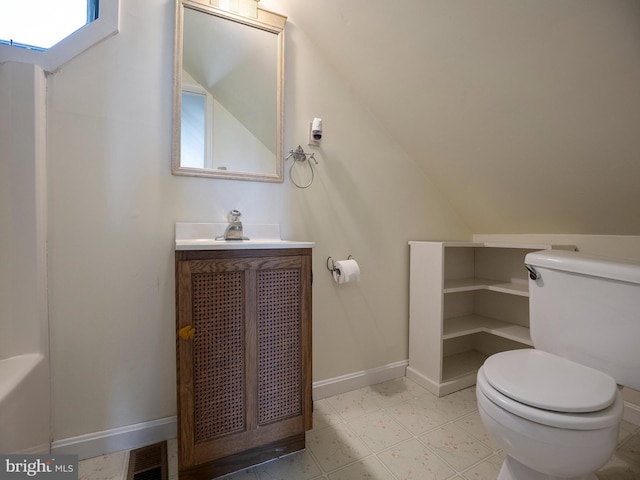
(555, 410)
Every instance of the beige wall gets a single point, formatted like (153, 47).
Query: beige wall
(526, 113)
(113, 203)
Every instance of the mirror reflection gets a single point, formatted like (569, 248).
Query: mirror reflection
(228, 94)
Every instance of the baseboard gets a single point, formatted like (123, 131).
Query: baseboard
(37, 450)
(414, 375)
(353, 381)
(116, 439)
(146, 433)
(444, 388)
(631, 413)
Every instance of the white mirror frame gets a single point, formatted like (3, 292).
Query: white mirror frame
(266, 20)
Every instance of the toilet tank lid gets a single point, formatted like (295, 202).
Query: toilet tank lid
(586, 264)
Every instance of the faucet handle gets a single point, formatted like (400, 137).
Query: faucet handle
(235, 215)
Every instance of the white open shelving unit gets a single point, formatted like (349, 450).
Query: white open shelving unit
(467, 301)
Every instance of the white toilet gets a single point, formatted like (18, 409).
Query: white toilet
(556, 410)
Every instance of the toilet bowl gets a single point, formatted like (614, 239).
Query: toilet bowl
(554, 418)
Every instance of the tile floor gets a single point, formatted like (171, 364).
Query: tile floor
(391, 431)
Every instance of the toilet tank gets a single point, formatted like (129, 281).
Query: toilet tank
(587, 308)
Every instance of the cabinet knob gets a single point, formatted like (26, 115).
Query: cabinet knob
(187, 333)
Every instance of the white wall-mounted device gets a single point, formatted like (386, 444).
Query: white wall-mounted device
(315, 132)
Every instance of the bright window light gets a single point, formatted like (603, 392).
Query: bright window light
(40, 24)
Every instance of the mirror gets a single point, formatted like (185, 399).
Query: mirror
(228, 94)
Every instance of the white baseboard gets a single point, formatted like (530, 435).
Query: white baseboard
(353, 381)
(37, 450)
(420, 379)
(631, 413)
(116, 439)
(443, 388)
(145, 433)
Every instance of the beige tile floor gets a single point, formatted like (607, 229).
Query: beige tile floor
(391, 431)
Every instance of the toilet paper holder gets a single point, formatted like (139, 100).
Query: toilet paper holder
(331, 265)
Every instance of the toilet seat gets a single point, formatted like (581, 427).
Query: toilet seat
(543, 380)
(603, 418)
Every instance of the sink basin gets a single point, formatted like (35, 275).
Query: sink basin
(202, 236)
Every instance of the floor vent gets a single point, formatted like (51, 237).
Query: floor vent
(148, 463)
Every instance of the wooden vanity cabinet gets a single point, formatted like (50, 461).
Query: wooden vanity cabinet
(243, 324)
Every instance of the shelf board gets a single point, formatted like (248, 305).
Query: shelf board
(512, 288)
(529, 246)
(470, 324)
(467, 284)
(470, 284)
(461, 364)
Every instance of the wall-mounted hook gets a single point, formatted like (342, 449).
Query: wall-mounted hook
(299, 155)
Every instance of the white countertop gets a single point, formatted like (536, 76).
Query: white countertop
(202, 236)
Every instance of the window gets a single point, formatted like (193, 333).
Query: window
(40, 24)
(197, 126)
(193, 146)
(51, 32)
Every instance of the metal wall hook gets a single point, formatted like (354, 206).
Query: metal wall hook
(300, 156)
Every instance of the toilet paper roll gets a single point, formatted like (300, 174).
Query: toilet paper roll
(346, 271)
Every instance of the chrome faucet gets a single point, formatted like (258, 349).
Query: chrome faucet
(234, 229)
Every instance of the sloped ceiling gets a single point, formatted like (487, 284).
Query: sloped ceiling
(527, 112)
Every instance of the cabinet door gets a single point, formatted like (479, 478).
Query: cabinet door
(243, 354)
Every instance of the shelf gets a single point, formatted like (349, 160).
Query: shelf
(470, 324)
(512, 288)
(503, 245)
(461, 364)
(470, 284)
(529, 246)
(467, 284)
(453, 329)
